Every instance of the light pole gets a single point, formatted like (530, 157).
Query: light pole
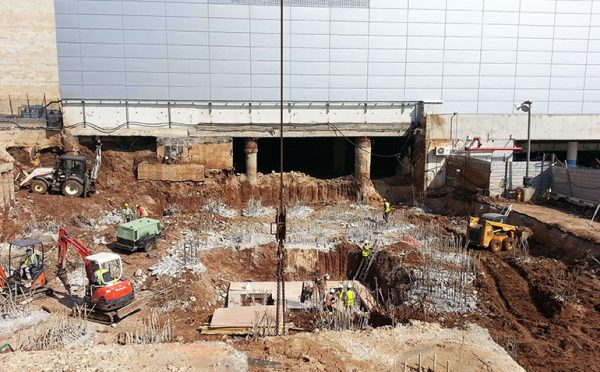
(526, 107)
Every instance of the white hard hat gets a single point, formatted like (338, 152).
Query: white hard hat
(348, 286)
(332, 290)
(366, 241)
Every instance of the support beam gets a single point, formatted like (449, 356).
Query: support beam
(362, 160)
(251, 151)
(572, 154)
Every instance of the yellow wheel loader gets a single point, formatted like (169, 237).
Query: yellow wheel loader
(491, 231)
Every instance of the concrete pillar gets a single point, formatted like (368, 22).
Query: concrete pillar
(362, 160)
(251, 150)
(572, 154)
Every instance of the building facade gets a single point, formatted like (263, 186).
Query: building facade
(477, 56)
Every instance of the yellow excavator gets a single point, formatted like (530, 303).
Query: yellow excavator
(490, 231)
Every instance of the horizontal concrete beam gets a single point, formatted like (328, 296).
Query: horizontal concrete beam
(235, 119)
(171, 172)
(513, 127)
(258, 131)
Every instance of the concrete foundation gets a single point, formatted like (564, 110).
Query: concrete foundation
(171, 172)
(251, 151)
(362, 160)
(213, 153)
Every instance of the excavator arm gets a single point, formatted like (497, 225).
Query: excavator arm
(3, 278)
(66, 240)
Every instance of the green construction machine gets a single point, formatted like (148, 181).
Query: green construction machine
(138, 235)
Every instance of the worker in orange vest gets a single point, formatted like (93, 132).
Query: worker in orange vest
(141, 211)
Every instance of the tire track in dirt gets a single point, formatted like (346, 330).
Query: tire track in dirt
(513, 290)
(515, 321)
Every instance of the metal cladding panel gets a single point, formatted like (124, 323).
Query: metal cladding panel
(477, 56)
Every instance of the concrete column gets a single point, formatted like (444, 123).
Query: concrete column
(251, 150)
(572, 154)
(362, 160)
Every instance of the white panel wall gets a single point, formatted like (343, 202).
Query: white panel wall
(478, 56)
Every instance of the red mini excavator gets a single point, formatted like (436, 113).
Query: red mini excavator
(109, 296)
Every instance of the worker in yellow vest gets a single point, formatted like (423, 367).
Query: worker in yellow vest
(349, 298)
(32, 260)
(98, 276)
(387, 208)
(366, 249)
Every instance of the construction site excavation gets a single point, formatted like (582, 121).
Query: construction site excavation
(300, 185)
(205, 285)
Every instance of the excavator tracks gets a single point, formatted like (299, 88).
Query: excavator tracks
(105, 317)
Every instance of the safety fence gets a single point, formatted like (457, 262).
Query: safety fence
(579, 185)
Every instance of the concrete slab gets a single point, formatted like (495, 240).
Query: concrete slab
(244, 317)
(171, 172)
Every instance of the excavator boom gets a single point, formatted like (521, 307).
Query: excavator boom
(66, 240)
(105, 303)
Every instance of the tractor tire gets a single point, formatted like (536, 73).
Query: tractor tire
(495, 245)
(508, 244)
(39, 187)
(72, 188)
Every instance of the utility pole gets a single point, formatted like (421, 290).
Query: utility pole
(526, 107)
(281, 212)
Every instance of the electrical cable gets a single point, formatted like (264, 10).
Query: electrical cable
(396, 155)
(109, 130)
(19, 125)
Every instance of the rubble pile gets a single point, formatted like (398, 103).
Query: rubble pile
(256, 209)
(180, 257)
(218, 207)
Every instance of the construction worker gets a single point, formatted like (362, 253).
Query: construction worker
(325, 279)
(387, 208)
(329, 300)
(98, 276)
(127, 213)
(307, 291)
(366, 249)
(32, 260)
(141, 211)
(103, 276)
(340, 292)
(349, 297)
